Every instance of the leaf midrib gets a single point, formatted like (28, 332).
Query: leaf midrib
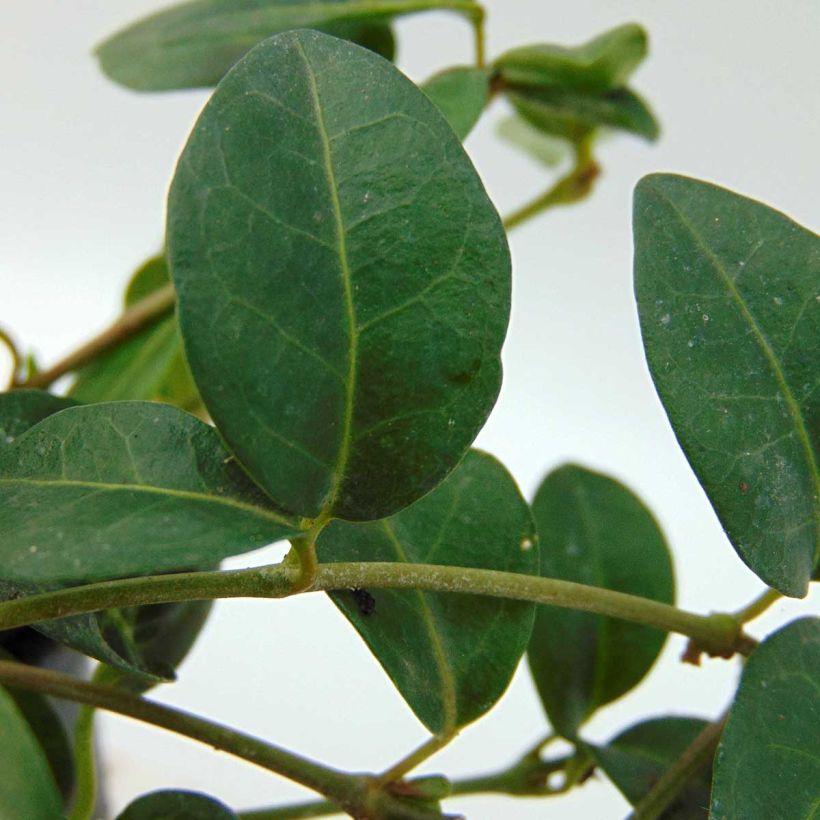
(350, 309)
(768, 352)
(185, 495)
(448, 685)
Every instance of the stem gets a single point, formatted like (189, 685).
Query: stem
(480, 40)
(699, 754)
(318, 808)
(305, 548)
(716, 634)
(414, 759)
(344, 789)
(16, 360)
(142, 314)
(571, 188)
(757, 607)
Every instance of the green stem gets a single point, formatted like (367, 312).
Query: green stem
(140, 315)
(757, 607)
(344, 789)
(414, 759)
(297, 811)
(16, 360)
(716, 634)
(571, 188)
(480, 39)
(305, 548)
(700, 753)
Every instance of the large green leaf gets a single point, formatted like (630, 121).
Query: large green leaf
(637, 758)
(150, 365)
(768, 762)
(176, 805)
(461, 94)
(195, 43)
(21, 409)
(122, 489)
(27, 788)
(343, 279)
(730, 314)
(574, 114)
(451, 656)
(49, 732)
(603, 63)
(593, 530)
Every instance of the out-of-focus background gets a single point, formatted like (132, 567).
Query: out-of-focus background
(84, 167)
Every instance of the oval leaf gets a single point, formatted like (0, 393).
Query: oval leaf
(194, 44)
(574, 114)
(768, 761)
(450, 656)
(637, 758)
(150, 365)
(27, 788)
(593, 530)
(729, 304)
(21, 409)
(176, 805)
(605, 62)
(121, 489)
(461, 94)
(343, 278)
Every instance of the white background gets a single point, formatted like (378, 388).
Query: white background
(83, 170)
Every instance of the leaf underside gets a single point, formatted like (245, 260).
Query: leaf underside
(343, 279)
(450, 656)
(729, 297)
(176, 805)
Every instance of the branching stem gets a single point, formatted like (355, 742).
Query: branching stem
(757, 607)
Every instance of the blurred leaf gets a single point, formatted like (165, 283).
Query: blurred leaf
(123, 489)
(546, 149)
(637, 758)
(346, 341)
(593, 530)
(729, 303)
(176, 805)
(450, 656)
(574, 114)
(603, 63)
(27, 788)
(461, 94)
(768, 762)
(194, 44)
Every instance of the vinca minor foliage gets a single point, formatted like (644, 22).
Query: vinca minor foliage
(311, 357)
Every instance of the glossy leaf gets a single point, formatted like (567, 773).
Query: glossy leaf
(176, 805)
(768, 762)
(604, 63)
(27, 788)
(343, 279)
(450, 656)
(461, 94)
(729, 297)
(23, 408)
(194, 44)
(637, 758)
(120, 489)
(574, 114)
(49, 732)
(150, 365)
(593, 530)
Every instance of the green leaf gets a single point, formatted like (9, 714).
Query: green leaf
(603, 63)
(768, 762)
(574, 114)
(27, 789)
(543, 148)
(343, 279)
(450, 656)
(122, 489)
(23, 408)
(461, 94)
(176, 805)
(150, 365)
(49, 732)
(593, 530)
(194, 44)
(729, 304)
(637, 758)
